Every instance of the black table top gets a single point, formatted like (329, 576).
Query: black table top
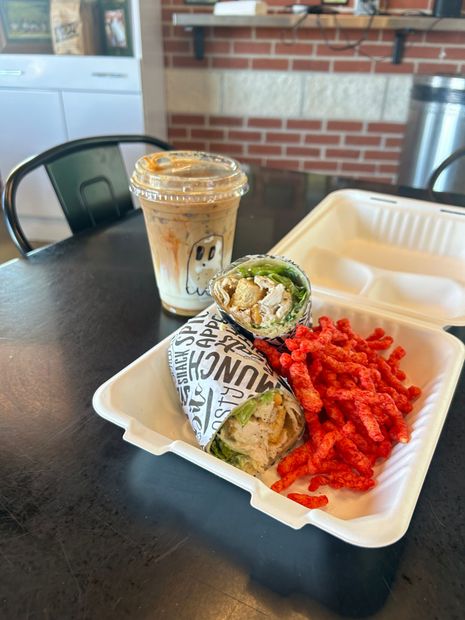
(92, 527)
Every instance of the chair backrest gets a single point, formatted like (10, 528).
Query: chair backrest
(89, 179)
(448, 197)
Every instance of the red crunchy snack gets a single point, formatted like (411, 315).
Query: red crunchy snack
(354, 402)
(309, 501)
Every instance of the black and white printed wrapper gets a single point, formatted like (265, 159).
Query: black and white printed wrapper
(303, 318)
(215, 369)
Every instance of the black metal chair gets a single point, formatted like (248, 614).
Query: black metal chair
(89, 179)
(453, 198)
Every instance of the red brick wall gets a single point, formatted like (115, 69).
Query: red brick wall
(351, 148)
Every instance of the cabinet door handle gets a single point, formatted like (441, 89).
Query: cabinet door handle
(106, 74)
(11, 72)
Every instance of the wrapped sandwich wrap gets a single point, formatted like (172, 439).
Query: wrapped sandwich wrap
(263, 296)
(238, 407)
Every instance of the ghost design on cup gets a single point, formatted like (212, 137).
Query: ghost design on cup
(205, 259)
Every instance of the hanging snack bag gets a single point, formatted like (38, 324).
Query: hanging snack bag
(74, 27)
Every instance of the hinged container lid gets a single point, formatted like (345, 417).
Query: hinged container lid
(387, 252)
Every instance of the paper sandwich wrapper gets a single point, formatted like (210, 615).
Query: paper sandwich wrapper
(215, 369)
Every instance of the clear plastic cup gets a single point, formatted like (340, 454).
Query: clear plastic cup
(190, 201)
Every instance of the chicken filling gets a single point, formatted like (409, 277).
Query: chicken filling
(256, 300)
(259, 431)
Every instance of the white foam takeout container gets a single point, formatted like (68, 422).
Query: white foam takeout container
(379, 261)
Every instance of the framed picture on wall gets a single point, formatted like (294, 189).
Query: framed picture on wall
(25, 20)
(116, 22)
(116, 34)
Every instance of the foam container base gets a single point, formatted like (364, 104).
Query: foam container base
(142, 400)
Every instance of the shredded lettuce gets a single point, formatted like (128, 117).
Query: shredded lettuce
(245, 411)
(222, 451)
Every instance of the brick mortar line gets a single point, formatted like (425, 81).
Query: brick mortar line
(337, 162)
(331, 71)
(323, 130)
(302, 146)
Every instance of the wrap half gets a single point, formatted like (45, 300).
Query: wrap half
(239, 409)
(264, 296)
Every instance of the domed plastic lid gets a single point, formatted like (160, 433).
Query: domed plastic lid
(187, 176)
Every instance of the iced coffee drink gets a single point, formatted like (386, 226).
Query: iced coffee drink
(190, 201)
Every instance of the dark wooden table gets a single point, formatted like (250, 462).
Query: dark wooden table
(92, 527)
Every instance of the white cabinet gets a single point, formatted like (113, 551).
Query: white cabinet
(93, 114)
(32, 121)
(51, 99)
(46, 100)
(88, 73)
